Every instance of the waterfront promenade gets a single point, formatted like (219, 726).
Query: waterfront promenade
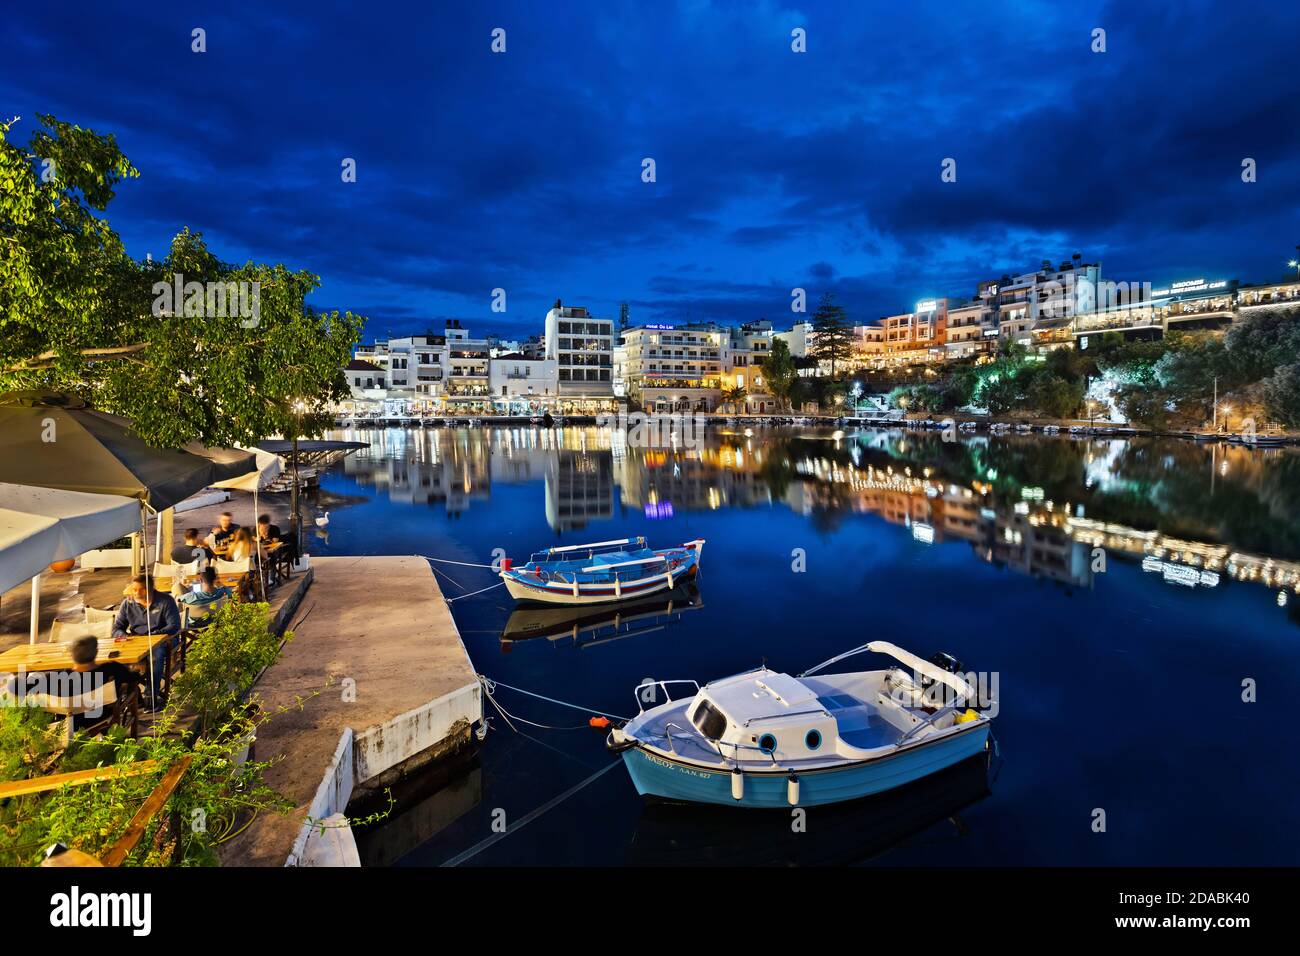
(388, 684)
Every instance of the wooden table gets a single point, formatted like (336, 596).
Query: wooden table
(233, 581)
(131, 651)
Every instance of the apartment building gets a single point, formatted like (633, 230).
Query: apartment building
(523, 384)
(675, 369)
(582, 347)
(743, 353)
(918, 336)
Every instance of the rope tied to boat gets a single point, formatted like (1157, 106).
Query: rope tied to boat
(461, 597)
(464, 564)
(600, 721)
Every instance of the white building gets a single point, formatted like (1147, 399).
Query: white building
(675, 369)
(524, 385)
(582, 347)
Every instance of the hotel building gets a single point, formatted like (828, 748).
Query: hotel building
(675, 368)
(582, 347)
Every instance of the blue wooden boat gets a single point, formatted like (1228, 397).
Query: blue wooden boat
(767, 739)
(600, 573)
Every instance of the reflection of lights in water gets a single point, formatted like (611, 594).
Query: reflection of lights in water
(655, 511)
(923, 533)
(1281, 599)
(749, 433)
(1223, 468)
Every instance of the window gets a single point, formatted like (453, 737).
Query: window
(709, 721)
(767, 743)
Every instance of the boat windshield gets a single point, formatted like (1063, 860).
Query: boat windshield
(709, 721)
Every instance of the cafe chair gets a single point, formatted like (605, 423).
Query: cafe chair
(193, 616)
(65, 631)
(242, 566)
(103, 701)
(94, 614)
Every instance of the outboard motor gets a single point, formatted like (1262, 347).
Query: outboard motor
(948, 663)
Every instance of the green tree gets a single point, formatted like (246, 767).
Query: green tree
(77, 314)
(1281, 395)
(734, 397)
(780, 373)
(834, 335)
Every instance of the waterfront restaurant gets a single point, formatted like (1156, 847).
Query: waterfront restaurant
(1186, 304)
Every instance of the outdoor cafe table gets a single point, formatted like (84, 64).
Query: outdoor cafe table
(233, 581)
(131, 651)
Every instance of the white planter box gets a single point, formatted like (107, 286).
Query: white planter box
(107, 558)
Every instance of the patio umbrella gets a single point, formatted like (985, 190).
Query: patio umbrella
(39, 526)
(55, 441)
(267, 468)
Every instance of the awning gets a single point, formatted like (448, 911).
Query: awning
(267, 468)
(41, 525)
(51, 440)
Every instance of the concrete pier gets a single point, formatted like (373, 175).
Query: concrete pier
(396, 689)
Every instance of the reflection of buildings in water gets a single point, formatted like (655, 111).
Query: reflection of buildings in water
(425, 467)
(579, 488)
(694, 479)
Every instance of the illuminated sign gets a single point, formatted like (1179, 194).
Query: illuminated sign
(1188, 286)
(662, 328)
(926, 305)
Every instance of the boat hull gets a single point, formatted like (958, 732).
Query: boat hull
(657, 776)
(587, 594)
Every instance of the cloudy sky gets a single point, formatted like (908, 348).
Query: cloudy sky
(522, 170)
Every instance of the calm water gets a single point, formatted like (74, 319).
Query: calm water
(1120, 689)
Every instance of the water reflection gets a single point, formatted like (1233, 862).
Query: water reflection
(836, 835)
(591, 626)
(1051, 508)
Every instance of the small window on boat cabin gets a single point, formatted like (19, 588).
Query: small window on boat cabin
(710, 721)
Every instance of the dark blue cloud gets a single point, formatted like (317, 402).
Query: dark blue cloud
(774, 169)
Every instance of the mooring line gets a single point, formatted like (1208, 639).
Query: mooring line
(489, 684)
(527, 818)
(461, 597)
(465, 564)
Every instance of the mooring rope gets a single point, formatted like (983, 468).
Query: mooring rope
(461, 597)
(528, 818)
(466, 564)
(490, 686)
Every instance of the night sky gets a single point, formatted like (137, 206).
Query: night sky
(775, 169)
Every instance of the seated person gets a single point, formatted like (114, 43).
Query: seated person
(267, 532)
(206, 593)
(84, 651)
(193, 549)
(146, 611)
(241, 545)
(224, 531)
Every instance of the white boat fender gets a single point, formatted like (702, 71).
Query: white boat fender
(737, 784)
(792, 790)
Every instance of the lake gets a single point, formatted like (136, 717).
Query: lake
(1126, 594)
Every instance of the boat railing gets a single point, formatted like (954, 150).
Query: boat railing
(662, 685)
(717, 744)
(928, 722)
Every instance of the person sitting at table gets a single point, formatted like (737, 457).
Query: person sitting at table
(241, 545)
(146, 611)
(84, 651)
(205, 593)
(267, 532)
(192, 550)
(224, 530)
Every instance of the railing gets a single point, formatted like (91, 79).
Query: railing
(662, 685)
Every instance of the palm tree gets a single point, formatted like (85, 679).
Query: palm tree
(734, 396)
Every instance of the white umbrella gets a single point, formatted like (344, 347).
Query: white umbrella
(39, 526)
(268, 467)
